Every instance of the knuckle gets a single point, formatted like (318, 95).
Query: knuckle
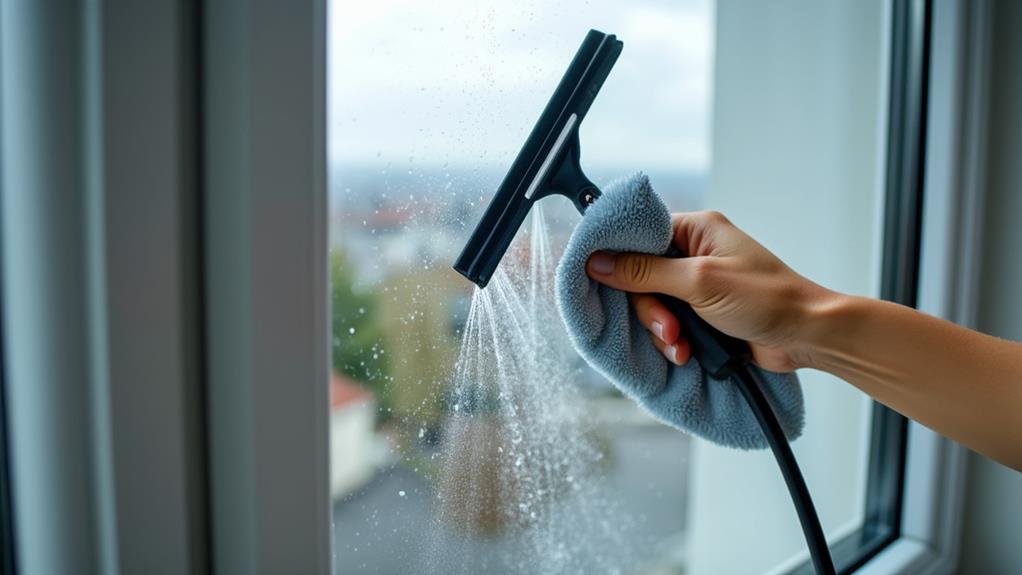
(716, 217)
(637, 269)
(702, 273)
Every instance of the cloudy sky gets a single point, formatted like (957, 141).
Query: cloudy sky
(462, 82)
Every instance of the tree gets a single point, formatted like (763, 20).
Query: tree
(357, 348)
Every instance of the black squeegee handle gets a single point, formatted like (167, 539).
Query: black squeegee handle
(723, 357)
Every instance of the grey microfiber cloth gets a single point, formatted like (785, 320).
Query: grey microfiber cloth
(631, 217)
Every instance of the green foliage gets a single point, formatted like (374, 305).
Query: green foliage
(357, 345)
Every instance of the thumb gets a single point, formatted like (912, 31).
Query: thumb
(645, 273)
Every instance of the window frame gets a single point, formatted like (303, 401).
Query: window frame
(8, 563)
(251, 174)
(932, 217)
(265, 278)
(909, 22)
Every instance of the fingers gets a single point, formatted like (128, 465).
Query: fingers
(703, 236)
(677, 353)
(643, 273)
(663, 326)
(654, 316)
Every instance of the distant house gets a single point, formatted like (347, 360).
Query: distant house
(354, 448)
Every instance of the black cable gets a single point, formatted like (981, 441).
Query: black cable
(751, 388)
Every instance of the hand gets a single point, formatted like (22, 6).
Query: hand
(958, 382)
(729, 279)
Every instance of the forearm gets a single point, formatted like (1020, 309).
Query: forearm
(960, 383)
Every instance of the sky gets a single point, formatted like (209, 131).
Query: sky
(418, 84)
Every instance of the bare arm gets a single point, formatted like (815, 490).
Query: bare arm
(961, 383)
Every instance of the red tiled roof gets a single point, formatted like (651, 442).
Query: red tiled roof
(344, 391)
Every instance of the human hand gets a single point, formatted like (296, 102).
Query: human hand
(730, 280)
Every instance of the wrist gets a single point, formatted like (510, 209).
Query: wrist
(827, 327)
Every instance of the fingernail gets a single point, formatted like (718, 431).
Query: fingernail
(671, 352)
(658, 329)
(602, 263)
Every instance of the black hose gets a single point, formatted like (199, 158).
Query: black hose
(722, 357)
(751, 388)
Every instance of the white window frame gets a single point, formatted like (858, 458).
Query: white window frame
(950, 258)
(267, 316)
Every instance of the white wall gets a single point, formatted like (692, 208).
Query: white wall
(992, 534)
(799, 104)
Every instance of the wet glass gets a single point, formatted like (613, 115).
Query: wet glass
(466, 435)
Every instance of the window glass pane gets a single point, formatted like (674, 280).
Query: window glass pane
(466, 435)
